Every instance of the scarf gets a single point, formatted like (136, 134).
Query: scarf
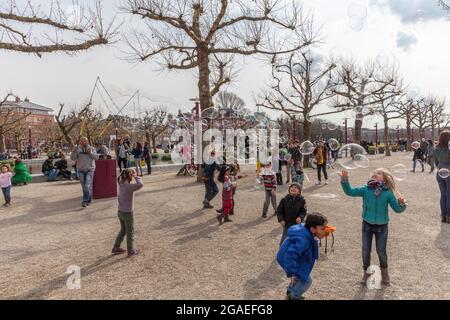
(377, 186)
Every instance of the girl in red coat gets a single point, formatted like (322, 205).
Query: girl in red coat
(227, 194)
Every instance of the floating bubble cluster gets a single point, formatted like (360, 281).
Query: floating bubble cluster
(357, 14)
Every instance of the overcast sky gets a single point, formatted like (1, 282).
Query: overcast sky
(415, 32)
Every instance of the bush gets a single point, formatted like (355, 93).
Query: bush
(166, 157)
(155, 156)
(371, 150)
(380, 149)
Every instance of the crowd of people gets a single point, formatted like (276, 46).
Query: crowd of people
(301, 230)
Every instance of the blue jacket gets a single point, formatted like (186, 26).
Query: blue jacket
(375, 209)
(208, 169)
(298, 252)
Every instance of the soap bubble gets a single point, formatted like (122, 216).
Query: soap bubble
(332, 126)
(334, 144)
(356, 9)
(352, 156)
(415, 145)
(399, 172)
(387, 61)
(356, 23)
(324, 126)
(307, 148)
(444, 173)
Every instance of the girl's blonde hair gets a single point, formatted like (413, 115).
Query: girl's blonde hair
(389, 181)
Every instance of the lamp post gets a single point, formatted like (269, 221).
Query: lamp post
(376, 137)
(294, 127)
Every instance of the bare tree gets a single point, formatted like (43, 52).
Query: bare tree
(407, 112)
(436, 108)
(300, 84)
(78, 30)
(421, 117)
(184, 35)
(10, 119)
(389, 108)
(445, 5)
(229, 100)
(154, 123)
(68, 122)
(357, 86)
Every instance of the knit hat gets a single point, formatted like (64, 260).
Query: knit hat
(295, 184)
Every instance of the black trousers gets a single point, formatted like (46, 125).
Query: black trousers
(322, 167)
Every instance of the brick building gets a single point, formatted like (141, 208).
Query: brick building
(40, 119)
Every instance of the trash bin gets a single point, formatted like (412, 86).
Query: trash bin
(105, 179)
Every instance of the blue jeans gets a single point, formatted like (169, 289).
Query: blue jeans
(86, 180)
(444, 187)
(7, 194)
(421, 163)
(211, 189)
(52, 174)
(138, 165)
(380, 231)
(299, 288)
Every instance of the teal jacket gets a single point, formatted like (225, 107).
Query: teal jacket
(375, 209)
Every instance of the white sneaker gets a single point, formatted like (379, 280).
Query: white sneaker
(326, 182)
(318, 183)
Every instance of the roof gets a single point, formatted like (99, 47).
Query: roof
(27, 105)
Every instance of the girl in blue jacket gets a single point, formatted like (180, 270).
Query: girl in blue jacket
(377, 194)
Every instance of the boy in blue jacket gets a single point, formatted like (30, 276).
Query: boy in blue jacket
(299, 252)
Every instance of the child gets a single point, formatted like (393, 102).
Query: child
(269, 179)
(297, 173)
(418, 156)
(5, 183)
(227, 194)
(299, 252)
(291, 209)
(125, 210)
(377, 194)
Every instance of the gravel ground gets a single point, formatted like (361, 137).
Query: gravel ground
(186, 255)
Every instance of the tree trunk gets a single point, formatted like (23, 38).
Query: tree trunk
(387, 150)
(203, 88)
(306, 130)
(2, 140)
(154, 144)
(408, 134)
(357, 131)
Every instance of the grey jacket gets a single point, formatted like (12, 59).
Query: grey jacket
(85, 161)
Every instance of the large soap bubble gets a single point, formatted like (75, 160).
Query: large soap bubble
(352, 156)
(399, 172)
(307, 148)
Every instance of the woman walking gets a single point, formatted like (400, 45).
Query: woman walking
(442, 160)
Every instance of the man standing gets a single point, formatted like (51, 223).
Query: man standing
(208, 179)
(85, 155)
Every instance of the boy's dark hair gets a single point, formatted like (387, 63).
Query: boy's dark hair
(314, 220)
(222, 172)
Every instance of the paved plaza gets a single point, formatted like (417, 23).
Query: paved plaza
(187, 255)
